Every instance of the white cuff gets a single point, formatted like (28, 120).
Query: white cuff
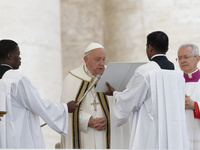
(84, 120)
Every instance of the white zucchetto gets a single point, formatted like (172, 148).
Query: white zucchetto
(92, 46)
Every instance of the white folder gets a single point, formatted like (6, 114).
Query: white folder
(117, 75)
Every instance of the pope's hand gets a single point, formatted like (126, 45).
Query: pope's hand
(72, 106)
(98, 123)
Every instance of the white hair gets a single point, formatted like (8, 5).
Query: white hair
(195, 49)
(87, 54)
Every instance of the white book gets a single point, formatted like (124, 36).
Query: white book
(117, 75)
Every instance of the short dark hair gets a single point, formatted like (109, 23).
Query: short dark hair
(159, 41)
(6, 46)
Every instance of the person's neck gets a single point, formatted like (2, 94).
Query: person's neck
(192, 71)
(88, 72)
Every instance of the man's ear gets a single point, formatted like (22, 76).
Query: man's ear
(9, 56)
(198, 58)
(151, 48)
(85, 59)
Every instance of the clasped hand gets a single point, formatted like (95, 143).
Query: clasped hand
(98, 123)
(189, 103)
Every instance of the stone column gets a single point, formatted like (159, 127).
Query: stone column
(35, 26)
(125, 31)
(82, 22)
(128, 23)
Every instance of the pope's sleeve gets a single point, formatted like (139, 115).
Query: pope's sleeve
(54, 114)
(196, 111)
(84, 120)
(130, 99)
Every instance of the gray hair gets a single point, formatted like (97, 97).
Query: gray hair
(195, 49)
(87, 54)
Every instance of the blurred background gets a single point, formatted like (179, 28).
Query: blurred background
(53, 34)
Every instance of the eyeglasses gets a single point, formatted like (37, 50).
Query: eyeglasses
(185, 58)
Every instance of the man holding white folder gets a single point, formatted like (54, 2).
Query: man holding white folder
(155, 95)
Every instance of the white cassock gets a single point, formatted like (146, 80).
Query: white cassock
(193, 124)
(21, 125)
(156, 98)
(80, 135)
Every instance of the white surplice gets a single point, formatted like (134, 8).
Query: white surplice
(156, 99)
(21, 125)
(90, 138)
(3, 95)
(193, 124)
(120, 135)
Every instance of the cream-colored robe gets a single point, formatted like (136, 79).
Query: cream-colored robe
(193, 124)
(90, 138)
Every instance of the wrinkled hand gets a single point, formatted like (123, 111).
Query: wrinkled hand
(98, 123)
(189, 103)
(72, 106)
(110, 89)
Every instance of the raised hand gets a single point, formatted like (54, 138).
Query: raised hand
(110, 89)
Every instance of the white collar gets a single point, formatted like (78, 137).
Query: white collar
(6, 65)
(190, 74)
(158, 55)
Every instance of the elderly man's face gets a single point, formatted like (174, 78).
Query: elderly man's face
(187, 61)
(95, 61)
